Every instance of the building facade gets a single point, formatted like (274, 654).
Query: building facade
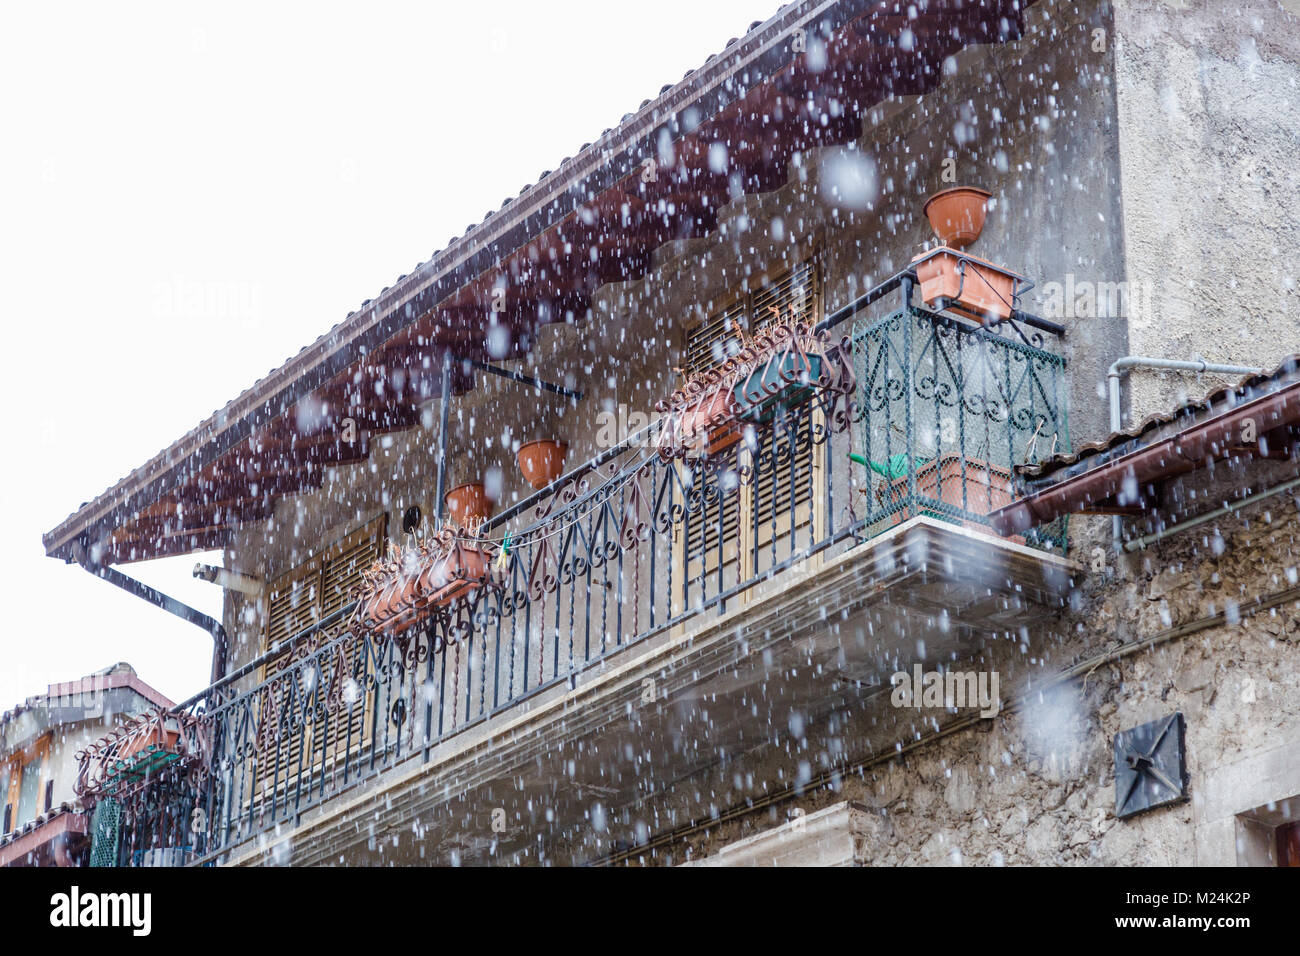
(44, 822)
(781, 471)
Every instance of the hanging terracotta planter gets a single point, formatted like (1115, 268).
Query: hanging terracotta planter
(155, 738)
(783, 365)
(542, 461)
(957, 215)
(709, 424)
(150, 743)
(462, 570)
(438, 580)
(139, 747)
(468, 503)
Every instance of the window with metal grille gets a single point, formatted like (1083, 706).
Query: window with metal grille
(782, 487)
(307, 595)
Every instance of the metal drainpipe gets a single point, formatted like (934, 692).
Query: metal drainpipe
(220, 641)
(1141, 361)
(443, 420)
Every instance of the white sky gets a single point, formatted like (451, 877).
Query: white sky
(189, 195)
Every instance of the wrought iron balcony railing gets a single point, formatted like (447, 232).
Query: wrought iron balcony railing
(932, 419)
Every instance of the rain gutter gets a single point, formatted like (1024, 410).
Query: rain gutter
(1185, 451)
(1227, 509)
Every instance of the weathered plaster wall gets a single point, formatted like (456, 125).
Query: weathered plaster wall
(1209, 131)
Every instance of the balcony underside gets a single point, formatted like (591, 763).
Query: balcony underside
(573, 772)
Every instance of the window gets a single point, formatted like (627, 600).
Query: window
(6, 777)
(734, 532)
(30, 790)
(303, 597)
(49, 795)
(1288, 844)
(322, 585)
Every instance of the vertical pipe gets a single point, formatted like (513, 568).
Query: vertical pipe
(442, 437)
(1199, 366)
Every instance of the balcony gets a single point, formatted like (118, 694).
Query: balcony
(645, 600)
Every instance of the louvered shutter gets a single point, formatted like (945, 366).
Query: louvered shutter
(777, 480)
(303, 597)
(709, 541)
(773, 515)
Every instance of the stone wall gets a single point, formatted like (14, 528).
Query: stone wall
(1035, 785)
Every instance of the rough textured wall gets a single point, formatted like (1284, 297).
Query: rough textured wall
(1209, 132)
(1036, 785)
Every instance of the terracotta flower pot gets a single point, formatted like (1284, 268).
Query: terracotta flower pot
(149, 749)
(458, 573)
(542, 461)
(971, 485)
(957, 215)
(468, 501)
(966, 284)
(166, 738)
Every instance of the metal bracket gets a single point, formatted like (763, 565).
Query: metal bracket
(523, 379)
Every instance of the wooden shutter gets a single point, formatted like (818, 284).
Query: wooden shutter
(709, 344)
(797, 291)
(302, 597)
(767, 513)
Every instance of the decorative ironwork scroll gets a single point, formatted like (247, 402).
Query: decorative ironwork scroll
(782, 357)
(140, 751)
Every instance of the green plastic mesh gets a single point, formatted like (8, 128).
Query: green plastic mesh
(106, 830)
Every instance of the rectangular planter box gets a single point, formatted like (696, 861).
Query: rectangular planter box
(474, 565)
(404, 603)
(772, 375)
(698, 431)
(146, 753)
(987, 488)
(985, 293)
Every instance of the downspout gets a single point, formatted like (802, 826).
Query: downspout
(220, 642)
(1127, 362)
(443, 421)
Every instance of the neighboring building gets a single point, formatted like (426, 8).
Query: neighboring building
(39, 742)
(694, 637)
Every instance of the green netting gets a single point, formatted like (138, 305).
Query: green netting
(105, 833)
